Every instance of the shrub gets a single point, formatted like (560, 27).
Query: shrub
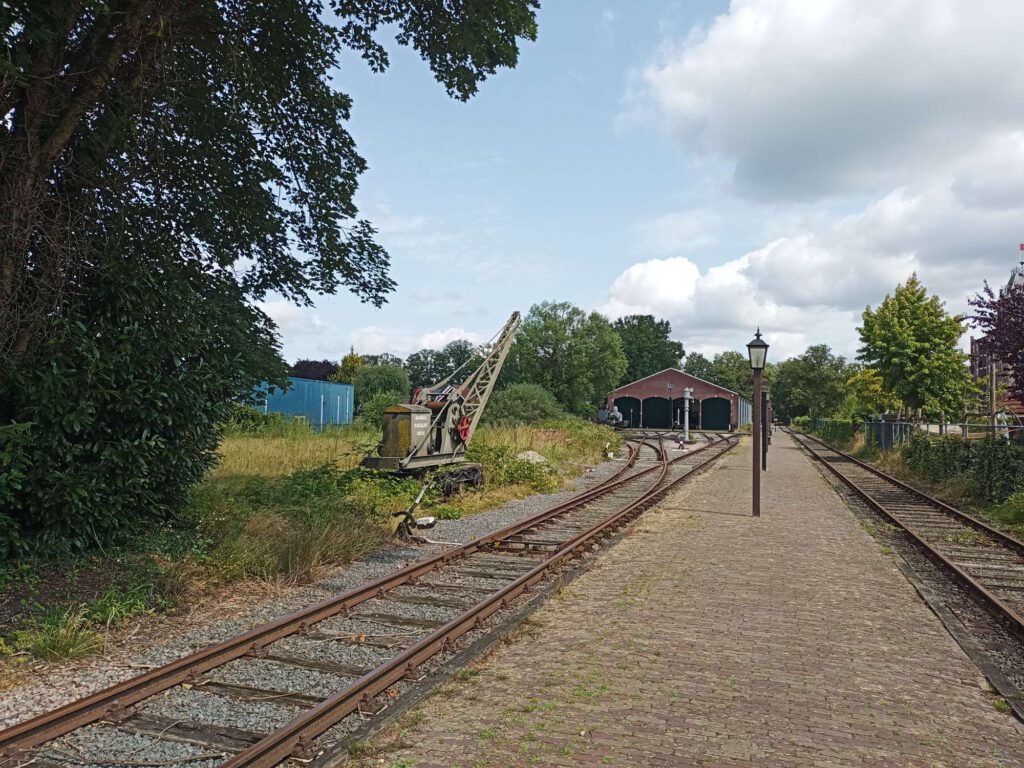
(993, 470)
(522, 404)
(378, 379)
(371, 412)
(122, 402)
(834, 430)
(803, 423)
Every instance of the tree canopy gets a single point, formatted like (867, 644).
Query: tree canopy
(373, 380)
(213, 125)
(812, 384)
(698, 365)
(912, 341)
(575, 355)
(1001, 318)
(321, 370)
(647, 345)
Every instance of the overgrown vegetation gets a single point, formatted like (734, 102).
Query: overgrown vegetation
(282, 506)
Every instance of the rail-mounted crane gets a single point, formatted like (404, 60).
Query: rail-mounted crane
(433, 431)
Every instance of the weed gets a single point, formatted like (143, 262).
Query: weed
(402, 764)
(487, 733)
(1001, 705)
(60, 636)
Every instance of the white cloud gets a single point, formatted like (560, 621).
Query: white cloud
(811, 97)
(885, 137)
(293, 320)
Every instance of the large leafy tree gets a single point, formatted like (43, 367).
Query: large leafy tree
(911, 341)
(698, 365)
(1001, 318)
(811, 384)
(212, 122)
(162, 166)
(647, 345)
(349, 367)
(575, 355)
(374, 380)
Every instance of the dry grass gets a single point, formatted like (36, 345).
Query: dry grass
(278, 456)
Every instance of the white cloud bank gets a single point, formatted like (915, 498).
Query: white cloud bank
(915, 106)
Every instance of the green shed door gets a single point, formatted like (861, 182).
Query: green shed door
(714, 413)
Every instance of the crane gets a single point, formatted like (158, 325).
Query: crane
(433, 431)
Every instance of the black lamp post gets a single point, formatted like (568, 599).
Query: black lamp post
(757, 349)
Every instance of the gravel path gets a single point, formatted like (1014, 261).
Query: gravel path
(158, 640)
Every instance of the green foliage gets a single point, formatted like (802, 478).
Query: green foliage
(371, 412)
(1011, 511)
(834, 430)
(502, 466)
(60, 636)
(122, 403)
(522, 404)
(647, 345)
(912, 342)
(430, 366)
(803, 423)
(349, 368)
(994, 471)
(373, 380)
(247, 420)
(576, 356)
(866, 396)
(290, 527)
(698, 365)
(811, 384)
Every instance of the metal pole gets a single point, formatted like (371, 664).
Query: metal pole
(686, 418)
(321, 413)
(756, 435)
(764, 431)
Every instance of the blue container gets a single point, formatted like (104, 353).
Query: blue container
(319, 402)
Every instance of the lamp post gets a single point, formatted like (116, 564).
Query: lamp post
(757, 350)
(687, 396)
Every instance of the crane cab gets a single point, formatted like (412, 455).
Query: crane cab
(405, 427)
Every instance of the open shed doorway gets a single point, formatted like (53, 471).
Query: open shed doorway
(629, 407)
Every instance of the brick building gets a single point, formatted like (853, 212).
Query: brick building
(656, 402)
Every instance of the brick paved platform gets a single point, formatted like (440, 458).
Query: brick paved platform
(709, 638)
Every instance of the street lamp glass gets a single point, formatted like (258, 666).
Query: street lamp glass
(757, 349)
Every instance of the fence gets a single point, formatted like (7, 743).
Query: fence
(321, 403)
(888, 434)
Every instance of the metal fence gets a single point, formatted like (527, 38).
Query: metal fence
(887, 434)
(321, 403)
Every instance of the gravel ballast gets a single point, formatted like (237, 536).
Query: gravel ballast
(166, 639)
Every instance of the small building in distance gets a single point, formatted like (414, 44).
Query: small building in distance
(320, 403)
(656, 402)
(983, 364)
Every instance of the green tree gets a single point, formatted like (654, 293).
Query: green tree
(349, 367)
(459, 355)
(698, 365)
(422, 368)
(576, 356)
(373, 380)
(866, 395)
(812, 384)
(912, 341)
(213, 123)
(647, 345)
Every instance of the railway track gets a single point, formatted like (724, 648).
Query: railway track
(989, 562)
(294, 688)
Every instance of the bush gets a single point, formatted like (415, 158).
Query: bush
(122, 402)
(993, 470)
(374, 380)
(522, 404)
(803, 423)
(371, 412)
(834, 430)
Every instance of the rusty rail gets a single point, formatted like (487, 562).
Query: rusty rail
(113, 702)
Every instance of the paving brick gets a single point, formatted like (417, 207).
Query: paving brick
(707, 637)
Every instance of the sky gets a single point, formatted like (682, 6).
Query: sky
(722, 165)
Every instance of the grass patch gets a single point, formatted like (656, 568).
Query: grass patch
(59, 636)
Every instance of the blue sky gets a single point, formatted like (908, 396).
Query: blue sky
(772, 162)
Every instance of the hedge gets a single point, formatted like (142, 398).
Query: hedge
(994, 470)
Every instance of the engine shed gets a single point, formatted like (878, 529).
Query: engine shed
(656, 402)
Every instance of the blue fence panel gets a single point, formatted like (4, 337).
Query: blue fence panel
(319, 402)
(746, 412)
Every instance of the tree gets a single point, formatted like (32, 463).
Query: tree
(422, 368)
(321, 370)
(459, 355)
(213, 123)
(385, 358)
(647, 345)
(732, 370)
(576, 356)
(812, 384)
(698, 365)
(349, 368)
(1001, 318)
(866, 396)
(375, 379)
(912, 342)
